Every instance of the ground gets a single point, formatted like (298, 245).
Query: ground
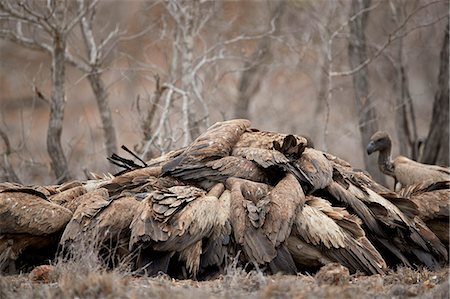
(68, 281)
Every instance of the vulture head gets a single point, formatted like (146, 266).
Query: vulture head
(378, 142)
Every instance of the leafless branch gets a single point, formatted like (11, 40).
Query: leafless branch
(394, 35)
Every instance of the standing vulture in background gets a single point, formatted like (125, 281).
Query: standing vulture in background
(402, 169)
(30, 227)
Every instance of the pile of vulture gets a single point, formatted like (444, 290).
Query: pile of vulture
(236, 194)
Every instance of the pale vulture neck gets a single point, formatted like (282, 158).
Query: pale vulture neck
(385, 160)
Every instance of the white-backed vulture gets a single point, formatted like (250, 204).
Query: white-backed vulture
(402, 169)
(433, 201)
(219, 153)
(211, 172)
(89, 204)
(138, 181)
(273, 141)
(405, 236)
(274, 162)
(262, 217)
(217, 142)
(322, 234)
(180, 220)
(28, 221)
(315, 165)
(103, 224)
(68, 198)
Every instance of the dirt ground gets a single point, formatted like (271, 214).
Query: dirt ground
(66, 282)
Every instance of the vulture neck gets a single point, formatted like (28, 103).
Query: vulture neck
(385, 160)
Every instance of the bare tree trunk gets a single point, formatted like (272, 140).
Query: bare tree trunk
(146, 126)
(404, 111)
(364, 105)
(436, 149)
(405, 119)
(5, 163)
(57, 105)
(101, 96)
(401, 121)
(252, 75)
(251, 79)
(191, 15)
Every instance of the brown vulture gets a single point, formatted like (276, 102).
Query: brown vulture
(323, 234)
(30, 226)
(433, 201)
(261, 218)
(181, 224)
(402, 169)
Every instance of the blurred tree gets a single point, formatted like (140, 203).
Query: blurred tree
(202, 50)
(7, 174)
(48, 26)
(93, 66)
(365, 108)
(405, 118)
(28, 23)
(253, 72)
(436, 150)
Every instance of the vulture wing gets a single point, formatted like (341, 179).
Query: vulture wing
(27, 211)
(246, 218)
(339, 235)
(90, 204)
(216, 142)
(316, 167)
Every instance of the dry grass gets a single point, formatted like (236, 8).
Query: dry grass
(84, 276)
(72, 279)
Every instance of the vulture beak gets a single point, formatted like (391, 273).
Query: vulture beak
(371, 148)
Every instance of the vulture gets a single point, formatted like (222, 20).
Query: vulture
(402, 169)
(395, 230)
(89, 205)
(323, 234)
(433, 200)
(181, 224)
(232, 149)
(103, 224)
(269, 198)
(217, 142)
(30, 226)
(261, 218)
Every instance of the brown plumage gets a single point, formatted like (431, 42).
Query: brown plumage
(230, 149)
(217, 142)
(68, 198)
(89, 205)
(136, 181)
(28, 221)
(316, 167)
(404, 236)
(433, 201)
(323, 234)
(175, 220)
(271, 140)
(262, 218)
(404, 170)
